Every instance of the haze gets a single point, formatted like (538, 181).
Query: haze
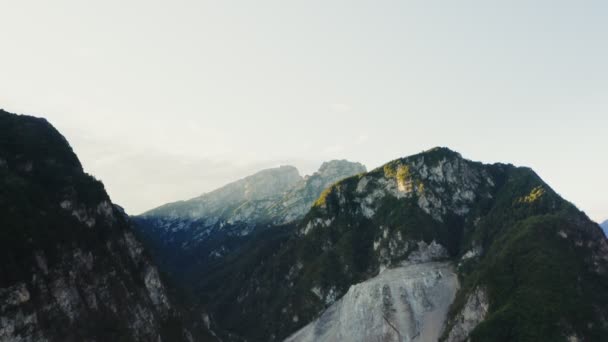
(166, 100)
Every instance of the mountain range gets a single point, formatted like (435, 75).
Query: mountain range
(429, 247)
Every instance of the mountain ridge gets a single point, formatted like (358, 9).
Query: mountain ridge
(188, 237)
(235, 194)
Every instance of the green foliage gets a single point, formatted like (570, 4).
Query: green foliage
(322, 200)
(539, 285)
(390, 170)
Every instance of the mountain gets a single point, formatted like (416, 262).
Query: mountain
(71, 268)
(244, 200)
(189, 236)
(605, 227)
(427, 247)
(487, 252)
(276, 195)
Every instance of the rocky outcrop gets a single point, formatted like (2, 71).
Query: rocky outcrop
(448, 185)
(85, 290)
(474, 312)
(407, 303)
(297, 202)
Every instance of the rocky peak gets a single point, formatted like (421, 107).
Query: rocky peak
(298, 201)
(42, 151)
(275, 195)
(439, 181)
(270, 182)
(338, 169)
(264, 185)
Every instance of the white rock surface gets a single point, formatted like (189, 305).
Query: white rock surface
(408, 303)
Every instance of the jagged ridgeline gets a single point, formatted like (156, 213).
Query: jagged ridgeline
(70, 266)
(189, 237)
(440, 247)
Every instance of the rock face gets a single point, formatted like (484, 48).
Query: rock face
(298, 201)
(71, 268)
(406, 303)
(474, 312)
(243, 200)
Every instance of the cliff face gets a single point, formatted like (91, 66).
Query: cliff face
(243, 200)
(71, 268)
(297, 202)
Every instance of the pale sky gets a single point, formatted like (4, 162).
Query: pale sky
(165, 100)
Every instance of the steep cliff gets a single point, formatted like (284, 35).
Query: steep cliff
(71, 268)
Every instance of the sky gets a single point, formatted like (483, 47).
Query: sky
(165, 100)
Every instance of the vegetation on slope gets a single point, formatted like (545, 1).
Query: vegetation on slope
(539, 283)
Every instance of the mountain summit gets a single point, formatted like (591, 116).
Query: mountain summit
(273, 195)
(232, 201)
(431, 246)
